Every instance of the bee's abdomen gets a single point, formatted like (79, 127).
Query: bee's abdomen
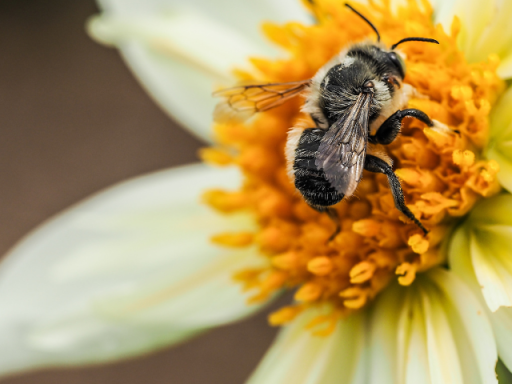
(310, 180)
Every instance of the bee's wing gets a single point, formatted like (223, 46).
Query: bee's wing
(342, 151)
(244, 101)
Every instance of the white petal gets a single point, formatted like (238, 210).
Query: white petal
(197, 41)
(179, 58)
(127, 271)
(500, 138)
(438, 5)
(485, 27)
(459, 259)
(460, 263)
(383, 358)
(192, 31)
(433, 332)
(398, 339)
(481, 248)
(490, 255)
(502, 156)
(244, 17)
(502, 325)
(470, 326)
(505, 68)
(299, 357)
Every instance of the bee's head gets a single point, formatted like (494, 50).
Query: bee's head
(392, 57)
(382, 62)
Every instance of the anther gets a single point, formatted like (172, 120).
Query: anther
(362, 272)
(284, 315)
(240, 239)
(355, 297)
(418, 243)
(285, 261)
(407, 273)
(320, 266)
(308, 292)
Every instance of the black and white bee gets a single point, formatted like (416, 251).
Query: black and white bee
(356, 101)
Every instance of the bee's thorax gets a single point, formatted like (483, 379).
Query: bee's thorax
(337, 85)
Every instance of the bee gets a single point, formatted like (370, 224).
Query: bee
(356, 101)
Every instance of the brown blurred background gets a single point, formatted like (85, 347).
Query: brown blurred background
(73, 120)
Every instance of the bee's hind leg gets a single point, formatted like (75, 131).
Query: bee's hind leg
(333, 215)
(377, 165)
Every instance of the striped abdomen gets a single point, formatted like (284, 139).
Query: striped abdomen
(310, 180)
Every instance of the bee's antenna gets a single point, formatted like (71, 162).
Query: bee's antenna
(365, 19)
(427, 40)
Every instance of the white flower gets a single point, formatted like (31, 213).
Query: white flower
(115, 275)
(131, 269)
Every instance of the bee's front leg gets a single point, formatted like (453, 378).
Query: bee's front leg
(388, 131)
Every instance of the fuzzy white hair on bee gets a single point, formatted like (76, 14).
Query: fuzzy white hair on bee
(356, 102)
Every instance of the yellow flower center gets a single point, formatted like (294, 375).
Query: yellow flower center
(441, 170)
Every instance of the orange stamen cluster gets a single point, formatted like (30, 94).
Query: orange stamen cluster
(441, 168)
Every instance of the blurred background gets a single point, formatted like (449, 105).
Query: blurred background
(73, 120)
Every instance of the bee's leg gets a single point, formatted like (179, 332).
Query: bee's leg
(333, 214)
(389, 129)
(377, 165)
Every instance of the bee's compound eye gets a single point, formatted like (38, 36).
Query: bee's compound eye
(398, 62)
(369, 84)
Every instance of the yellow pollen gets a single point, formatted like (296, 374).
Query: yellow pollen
(216, 156)
(355, 297)
(424, 180)
(463, 158)
(284, 315)
(320, 266)
(273, 281)
(464, 93)
(367, 227)
(407, 273)
(493, 167)
(362, 272)
(286, 261)
(418, 243)
(308, 292)
(241, 239)
(442, 169)
(323, 325)
(225, 201)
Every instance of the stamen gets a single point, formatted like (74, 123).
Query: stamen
(308, 292)
(284, 315)
(362, 272)
(407, 273)
(286, 261)
(225, 201)
(367, 227)
(463, 158)
(320, 266)
(216, 156)
(355, 297)
(241, 239)
(418, 243)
